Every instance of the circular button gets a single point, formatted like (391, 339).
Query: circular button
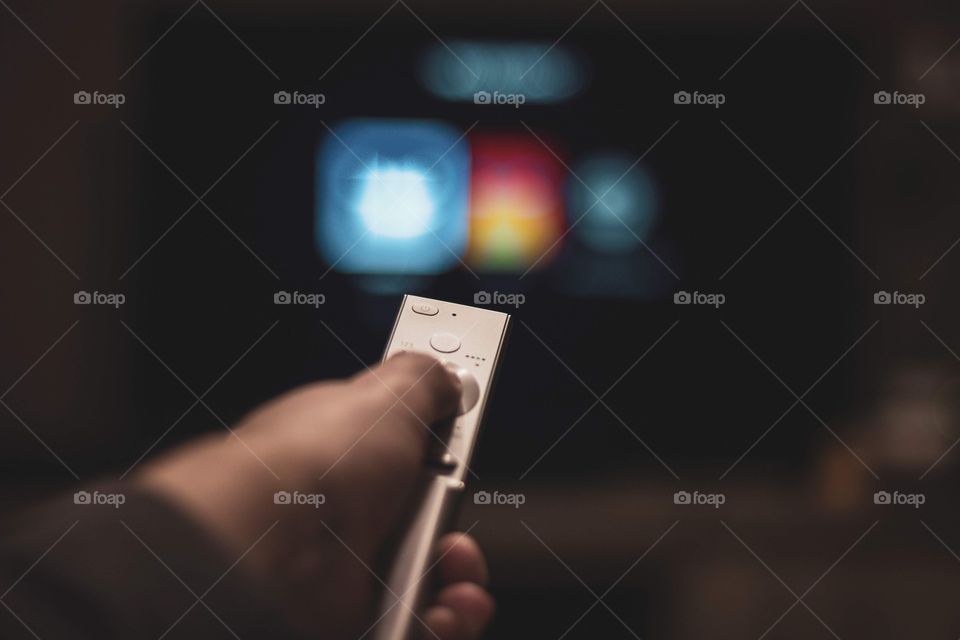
(471, 388)
(445, 342)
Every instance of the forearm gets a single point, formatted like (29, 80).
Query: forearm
(140, 569)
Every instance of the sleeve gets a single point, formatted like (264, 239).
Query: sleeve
(112, 561)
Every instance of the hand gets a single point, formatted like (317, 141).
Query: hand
(358, 443)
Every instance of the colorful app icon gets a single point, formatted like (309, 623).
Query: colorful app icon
(391, 196)
(516, 204)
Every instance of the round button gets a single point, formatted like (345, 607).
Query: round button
(445, 342)
(471, 388)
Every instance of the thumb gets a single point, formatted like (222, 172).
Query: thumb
(411, 391)
(394, 407)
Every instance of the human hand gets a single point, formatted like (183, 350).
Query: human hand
(356, 446)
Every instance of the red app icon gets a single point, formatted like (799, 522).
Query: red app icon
(516, 203)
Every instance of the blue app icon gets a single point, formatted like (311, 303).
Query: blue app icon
(615, 202)
(391, 196)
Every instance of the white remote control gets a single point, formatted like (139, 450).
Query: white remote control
(468, 341)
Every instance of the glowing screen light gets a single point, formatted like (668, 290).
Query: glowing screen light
(616, 203)
(396, 202)
(541, 72)
(516, 204)
(391, 196)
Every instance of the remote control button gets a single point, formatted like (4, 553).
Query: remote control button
(425, 309)
(471, 388)
(445, 342)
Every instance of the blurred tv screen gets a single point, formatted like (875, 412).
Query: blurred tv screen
(614, 185)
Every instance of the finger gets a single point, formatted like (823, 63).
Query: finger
(388, 413)
(441, 623)
(461, 612)
(461, 560)
(413, 385)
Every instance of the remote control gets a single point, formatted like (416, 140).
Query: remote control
(468, 341)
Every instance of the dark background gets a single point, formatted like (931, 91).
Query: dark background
(203, 294)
